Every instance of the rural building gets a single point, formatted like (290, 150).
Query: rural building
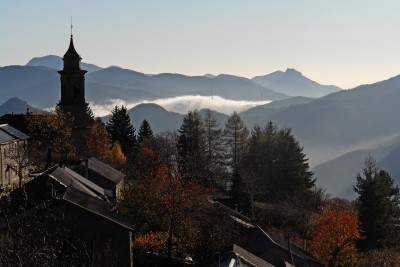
(13, 157)
(103, 175)
(87, 215)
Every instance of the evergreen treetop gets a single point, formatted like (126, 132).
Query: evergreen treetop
(145, 131)
(379, 206)
(121, 130)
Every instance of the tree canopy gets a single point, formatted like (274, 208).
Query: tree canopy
(379, 206)
(51, 131)
(166, 208)
(121, 130)
(276, 160)
(145, 131)
(99, 146)
(214, 150)
(191, 146)
(335, 239)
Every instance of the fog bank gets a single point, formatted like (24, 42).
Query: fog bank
(182, 104)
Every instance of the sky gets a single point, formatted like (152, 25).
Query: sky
(342, 42)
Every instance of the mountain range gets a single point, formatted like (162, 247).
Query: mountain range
(337, 128)
(293, 83)
(39, 83)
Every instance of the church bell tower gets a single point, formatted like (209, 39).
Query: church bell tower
(73, 95)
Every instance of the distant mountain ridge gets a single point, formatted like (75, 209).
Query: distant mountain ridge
(38, 82)
(171, 85)
(56, 62)
(293, 83)
(16, 106)
(41, 86)
(261, 114)
(360, 120)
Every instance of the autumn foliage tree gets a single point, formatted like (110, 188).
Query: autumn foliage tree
(334, 241)
(51, 131)
(19, 156)
(99, 146)
(164, 206)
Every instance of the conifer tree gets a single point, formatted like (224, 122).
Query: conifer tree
(191, 147)
(121, 130)
(145, 131)
(291, 174)
(278, 164)
(379, 207)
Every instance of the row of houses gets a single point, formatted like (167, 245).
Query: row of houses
(84, 196)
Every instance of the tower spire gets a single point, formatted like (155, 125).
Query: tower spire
(71, 26)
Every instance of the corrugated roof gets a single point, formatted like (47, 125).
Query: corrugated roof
(260, 240)
(67, 179)
(249, 257)
(13, 132)
(95, 205)
(104, 170)
(100, 191)
(4, 137)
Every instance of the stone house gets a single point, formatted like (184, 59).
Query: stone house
(13, 157)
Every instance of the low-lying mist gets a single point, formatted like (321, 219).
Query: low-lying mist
(182, 104)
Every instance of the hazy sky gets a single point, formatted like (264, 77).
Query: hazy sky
(340, 42)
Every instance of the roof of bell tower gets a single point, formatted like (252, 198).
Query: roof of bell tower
(71, 52)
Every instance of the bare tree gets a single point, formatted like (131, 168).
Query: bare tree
(17, 158)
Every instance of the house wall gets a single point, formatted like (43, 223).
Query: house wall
(9, 179)
(119, 190)
(98, 232)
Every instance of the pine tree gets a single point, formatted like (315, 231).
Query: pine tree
(121, 130)
(292, 175)
(191, 147)
(379, 206)
(277, 163)
(145, 131)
